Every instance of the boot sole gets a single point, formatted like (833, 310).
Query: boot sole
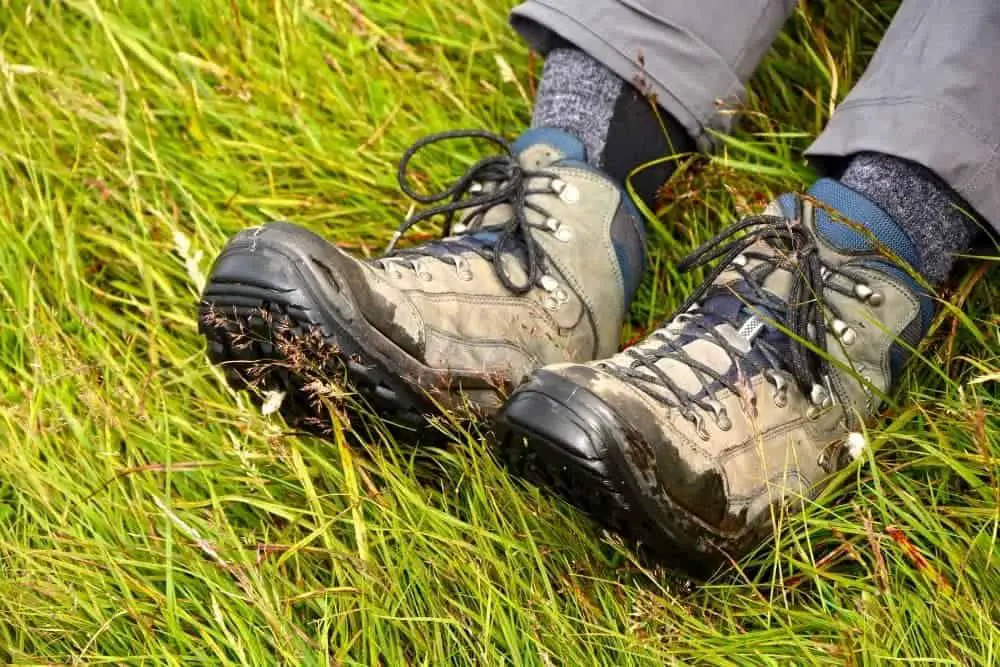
(563, 438)
(276, 318)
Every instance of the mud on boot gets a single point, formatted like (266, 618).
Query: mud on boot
(740, 405)
(540, 257)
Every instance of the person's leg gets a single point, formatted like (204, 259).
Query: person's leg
(621, 127)
(696, 438)
(693, 57)
(610, 61)
(920, 133)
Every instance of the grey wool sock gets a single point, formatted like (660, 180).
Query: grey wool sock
(577, 94)
(620, 127)
(935, 218)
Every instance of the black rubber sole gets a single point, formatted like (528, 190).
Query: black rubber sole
(276, 318)
(561, 437)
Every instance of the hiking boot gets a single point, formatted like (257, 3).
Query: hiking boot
(538, 267)
(694, 439)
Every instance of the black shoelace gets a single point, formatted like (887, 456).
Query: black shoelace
(803, 314)
(492, 181)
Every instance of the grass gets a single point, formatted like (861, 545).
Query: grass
(148, 515)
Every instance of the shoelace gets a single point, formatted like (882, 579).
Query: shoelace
(492, 181)
(792, 247)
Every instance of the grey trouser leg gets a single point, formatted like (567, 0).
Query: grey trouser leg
(931, 94)
(694, 55)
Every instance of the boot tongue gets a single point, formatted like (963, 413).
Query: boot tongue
(857, 225)
(538, 148)
(728, 314)
(542, 147)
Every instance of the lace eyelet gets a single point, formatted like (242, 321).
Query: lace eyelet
(820, 396)
(724, 422)
(390, 269)
(567, 192)
(560, 296)
(548, 283)
(425, 276)
(865, 293)
(698, 422)
(563, 234)
(845, 333)
(550, 304)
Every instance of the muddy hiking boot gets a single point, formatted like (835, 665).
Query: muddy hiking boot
(540, 257)
(692, 441)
